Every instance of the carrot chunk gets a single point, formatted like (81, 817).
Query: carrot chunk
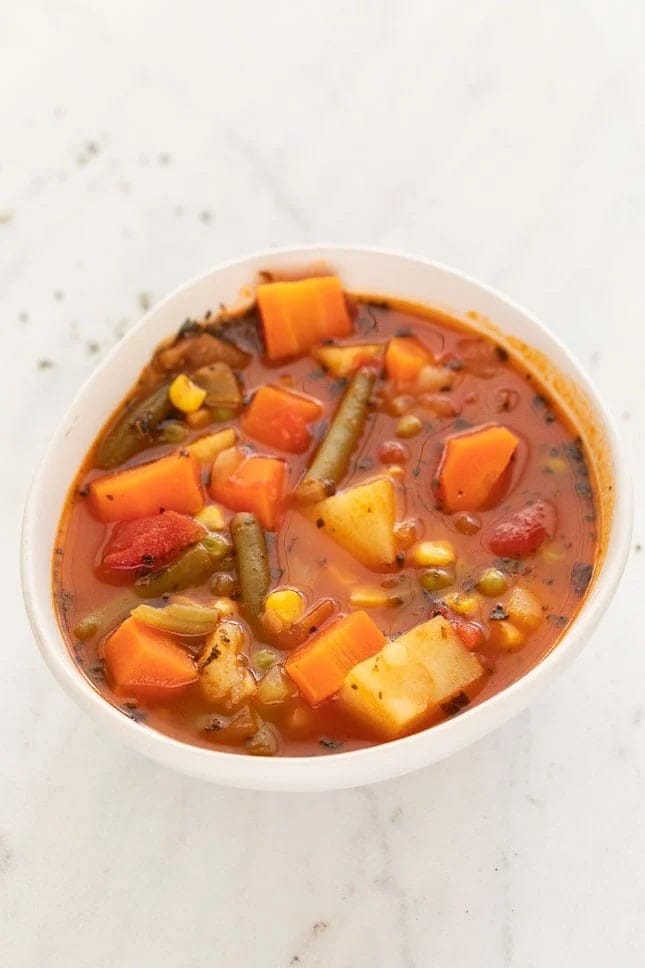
(145, 664)
(296, 315)
(405, 357)
(281, 418)
(320, 666)
(171, 483)
(254, 484)
(472, 467)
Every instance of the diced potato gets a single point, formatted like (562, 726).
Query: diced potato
(409, 678)
(361, 519)
(342, 361)
(433, 553)
(207, 448)
(224, 677)
(212, 517)
(507, 636)
(524, 609)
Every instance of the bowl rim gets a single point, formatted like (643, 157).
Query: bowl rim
(369, 764)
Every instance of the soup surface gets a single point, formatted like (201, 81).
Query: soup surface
(321, 525)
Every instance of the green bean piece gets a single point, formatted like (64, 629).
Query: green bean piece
(104, 619)
(217, 545)
(252, 561)
(134, 431)
(331, 460)
(179, 618)
(191, 568)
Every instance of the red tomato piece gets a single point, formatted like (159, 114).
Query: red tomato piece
(470, 633)
(525, 531)
(150, 541)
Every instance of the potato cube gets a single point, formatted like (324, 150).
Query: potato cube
(394, 690)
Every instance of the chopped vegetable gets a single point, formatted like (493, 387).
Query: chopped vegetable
(409, 678)
(408, 426)
(151, 541)
(190, 353)
(212, 517)
(361, 519)
(179, 618)
(368, 596)
(171, 483)
(433, 379)
(286, 605)
(331, 460)
(224, 678)
(492, 582)
(263, 659)
(405, 358)
(275, 686)
(434, 579)
(463, 603)
(145, 664)
(207, 448)
(319, 667)
(255, 484)
(291, 636)
(524, 609)
(191, 568)
(134, 431)
(220, 385)
(241, 726)
(342, 361)
(473, 467)
(524, 532)
(264, 743)
(186, 395)
(281, 418)
(507, 636)
(296, 315)
(428, 554)
(252, 560)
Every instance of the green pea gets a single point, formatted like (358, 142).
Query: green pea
(492, 582)
(265, 658)
(173, 432)
(435, 579)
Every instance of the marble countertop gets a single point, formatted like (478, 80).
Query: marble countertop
(142, 143)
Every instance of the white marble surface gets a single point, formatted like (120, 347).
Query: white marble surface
(140, 145)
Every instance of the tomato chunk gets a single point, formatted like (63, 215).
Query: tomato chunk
(150, 541)
(525, 531)
(470, 633)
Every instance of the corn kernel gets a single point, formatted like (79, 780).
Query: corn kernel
(464, 603)
(555, 465)
(365, 596)
(199, 419)
(212, 517)
(207, 448)
(286, 604)
(433, 553)
(186, 395)
(508, 636)
(396, 471)
(553, 552)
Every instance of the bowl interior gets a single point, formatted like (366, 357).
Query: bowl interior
(362, 271)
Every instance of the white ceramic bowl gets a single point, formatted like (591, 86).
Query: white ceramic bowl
(366, 271)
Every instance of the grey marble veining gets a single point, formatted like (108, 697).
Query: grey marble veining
(141, 143)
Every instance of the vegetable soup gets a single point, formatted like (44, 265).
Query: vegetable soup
(323, 523)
